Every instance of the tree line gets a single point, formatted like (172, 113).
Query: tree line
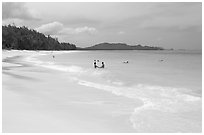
(22, 38)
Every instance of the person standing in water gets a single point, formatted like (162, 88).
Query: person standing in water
(103, 65)
(95, 66)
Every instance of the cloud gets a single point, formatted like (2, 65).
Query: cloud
(57, 28)
(85, 29)
(18, 11)
(78, 20)
(78, 30)
(50, 28)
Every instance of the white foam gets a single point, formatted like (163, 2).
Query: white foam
(100, 86)
(154, 97)
(52, 65)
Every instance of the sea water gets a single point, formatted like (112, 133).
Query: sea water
(168, 83)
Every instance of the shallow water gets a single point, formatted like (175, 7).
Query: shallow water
(168, 83)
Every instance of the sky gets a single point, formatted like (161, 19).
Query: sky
(168, 25)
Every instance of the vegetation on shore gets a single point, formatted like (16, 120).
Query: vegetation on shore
(22, 38)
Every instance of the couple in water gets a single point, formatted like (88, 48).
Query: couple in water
(102, 64)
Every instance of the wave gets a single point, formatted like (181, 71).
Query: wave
(143, 91)
(52, 65)
(159, 104)
(154, 97)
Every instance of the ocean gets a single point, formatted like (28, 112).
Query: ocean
(167, 83)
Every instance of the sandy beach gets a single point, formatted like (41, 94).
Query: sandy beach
(65, 94)
(37, 99)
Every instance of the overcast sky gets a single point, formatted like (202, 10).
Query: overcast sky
(168, 25)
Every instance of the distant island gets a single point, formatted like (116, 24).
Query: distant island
(119, 46)
(23, 38)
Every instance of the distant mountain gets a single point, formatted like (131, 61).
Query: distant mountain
(119, 46)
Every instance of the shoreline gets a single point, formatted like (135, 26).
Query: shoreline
(27, 109)
(42, 94)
